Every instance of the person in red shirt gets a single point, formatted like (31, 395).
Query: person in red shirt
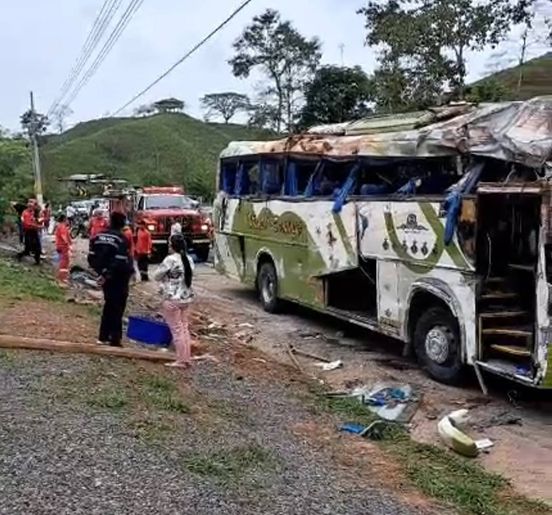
(31, 230)
(98, 224)
(46, 216)
(129, 236)
(144, 247)
(62, 235)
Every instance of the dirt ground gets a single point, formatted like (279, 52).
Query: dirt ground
(517, 420)
(523, 445)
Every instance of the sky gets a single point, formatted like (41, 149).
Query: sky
(41, 40)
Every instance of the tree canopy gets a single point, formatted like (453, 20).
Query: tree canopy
(336, 94)
(424, 46)
(288, 59)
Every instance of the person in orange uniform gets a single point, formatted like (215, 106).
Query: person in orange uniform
(62, 235)
(31, 229)
(129, 236)
(144, 247)
(98, 224)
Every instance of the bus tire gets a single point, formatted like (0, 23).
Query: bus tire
(267, 284)
(437, 345)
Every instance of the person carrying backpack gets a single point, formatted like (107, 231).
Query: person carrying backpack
(109, 257)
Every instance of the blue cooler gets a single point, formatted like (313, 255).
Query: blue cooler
(149, 331)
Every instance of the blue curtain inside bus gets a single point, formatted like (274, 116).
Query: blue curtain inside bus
(270, 177)
(346, 189)
(313, 186)
(228, 178)
(291, 185)
(242, 181)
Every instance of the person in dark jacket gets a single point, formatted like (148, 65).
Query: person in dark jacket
(109, 257)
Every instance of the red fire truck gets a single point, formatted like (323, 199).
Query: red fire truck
(159, 208)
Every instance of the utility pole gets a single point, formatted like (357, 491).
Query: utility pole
(33, 129)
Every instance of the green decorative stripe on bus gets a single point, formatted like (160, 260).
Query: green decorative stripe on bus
(344, 237)
(421, 266)
(452, 250)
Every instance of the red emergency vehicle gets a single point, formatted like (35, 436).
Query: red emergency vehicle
(160, 207)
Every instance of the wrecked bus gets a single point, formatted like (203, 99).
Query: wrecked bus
(432, 227)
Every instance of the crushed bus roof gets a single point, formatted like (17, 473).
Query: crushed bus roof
(518, 132)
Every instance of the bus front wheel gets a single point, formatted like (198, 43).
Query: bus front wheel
(267, 284)
(437, 345)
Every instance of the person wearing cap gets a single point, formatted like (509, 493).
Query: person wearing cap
(143, 250)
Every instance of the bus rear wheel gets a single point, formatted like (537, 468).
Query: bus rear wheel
(267, 284)
(437, 345)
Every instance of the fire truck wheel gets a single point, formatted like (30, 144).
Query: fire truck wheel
(267, 284)
(202, 252)
(437, 345)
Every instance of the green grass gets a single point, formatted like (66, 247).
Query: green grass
(437, 472)
(162, 149)
(111, 398)
(18, 282)
(161, 393)
(230, 465)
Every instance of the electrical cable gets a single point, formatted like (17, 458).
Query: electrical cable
(116, 33)
(186, 56)
(102, 21)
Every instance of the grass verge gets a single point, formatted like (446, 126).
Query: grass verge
(18, 282)
(230, 466)
(437, 472)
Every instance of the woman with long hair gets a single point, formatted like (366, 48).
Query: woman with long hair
(175, 275)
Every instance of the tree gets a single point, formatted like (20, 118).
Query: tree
(336, 94)
(227, 105)
(16, 178)
(169, 105)
(487, 90)
(34, 122)
(60, 115)
(281, 53)
(428, 42)
(264, 116)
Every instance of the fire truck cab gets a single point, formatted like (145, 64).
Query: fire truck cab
(160, 207)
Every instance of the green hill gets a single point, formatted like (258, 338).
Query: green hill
(162, 149)
(536, 80)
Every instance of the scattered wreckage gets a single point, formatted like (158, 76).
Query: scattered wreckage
(433, 228)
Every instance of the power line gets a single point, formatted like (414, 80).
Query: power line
(116, 33)
(186, 56)
(95, 34)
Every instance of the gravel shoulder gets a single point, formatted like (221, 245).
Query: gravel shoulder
(88, 435)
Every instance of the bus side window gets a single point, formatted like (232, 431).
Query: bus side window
(228, 177)
(271, 177)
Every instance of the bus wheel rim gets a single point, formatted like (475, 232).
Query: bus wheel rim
(438, 343)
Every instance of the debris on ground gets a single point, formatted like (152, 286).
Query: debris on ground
(306, 354)
(332, 365)
(388, 401)
(451, 430)
(376, 430)
(501, 419)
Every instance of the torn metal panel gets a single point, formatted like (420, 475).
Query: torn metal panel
(518, 132)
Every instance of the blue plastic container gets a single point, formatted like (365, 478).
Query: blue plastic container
(148, 331)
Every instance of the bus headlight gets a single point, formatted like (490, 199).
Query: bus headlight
(152, 227)
(204, 228)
